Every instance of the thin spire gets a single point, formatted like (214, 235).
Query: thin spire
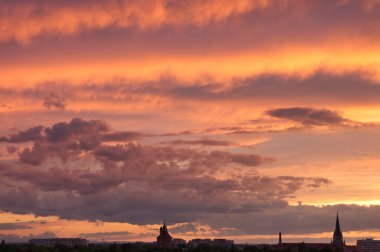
(337, 225)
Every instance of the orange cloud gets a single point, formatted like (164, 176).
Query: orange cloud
(23, 22)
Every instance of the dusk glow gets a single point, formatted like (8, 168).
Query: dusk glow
(234, 119)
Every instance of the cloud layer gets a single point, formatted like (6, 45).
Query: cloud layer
(187, 183)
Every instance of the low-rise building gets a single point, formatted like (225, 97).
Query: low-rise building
(223, 243)
(178, 243)
(368, 245)
(51, 242)
(200, 242)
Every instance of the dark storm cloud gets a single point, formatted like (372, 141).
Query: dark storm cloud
(308, 116)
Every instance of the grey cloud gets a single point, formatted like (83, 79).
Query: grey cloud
(13, 238)
(321, 87)
(308, 116)
(118, 236)
(155, 165)
(205, 142)
(12, 226)
(302, 219)
(31, 134)
(138, 183)
(184, 228)
(186, 132)
(133, 207)
(105, 235)
(55, 101)
(126, 152)
(123, 136)
(64, 140)
(126, 193)
(12, 149)
(77, 127)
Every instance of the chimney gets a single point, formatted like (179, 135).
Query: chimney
(279, 238)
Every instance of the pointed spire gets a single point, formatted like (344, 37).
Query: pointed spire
(337, 225)
(338, 236)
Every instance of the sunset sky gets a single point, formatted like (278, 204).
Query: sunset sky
(235, 119)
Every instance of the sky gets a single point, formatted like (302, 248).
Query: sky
(235, 119)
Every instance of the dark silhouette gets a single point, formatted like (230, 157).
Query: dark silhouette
(164, 240)
(338, 236)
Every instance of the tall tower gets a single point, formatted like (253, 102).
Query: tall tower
(164, 240)
(338, 236)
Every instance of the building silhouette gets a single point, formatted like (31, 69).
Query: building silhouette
(338, 241)
(51, 242)
(368, 245)
(164, 240)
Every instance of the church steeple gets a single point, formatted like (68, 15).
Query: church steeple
(164, 240)
(337, 225)
(338, 236)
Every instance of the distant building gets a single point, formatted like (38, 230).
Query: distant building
(198, 242)
(164, 240)
(51, 242)
(300, 246)
(368, 245)
(223, 243)
(337, 244)
(178, 243)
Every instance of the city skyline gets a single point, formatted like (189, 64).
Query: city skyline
(234, 119)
